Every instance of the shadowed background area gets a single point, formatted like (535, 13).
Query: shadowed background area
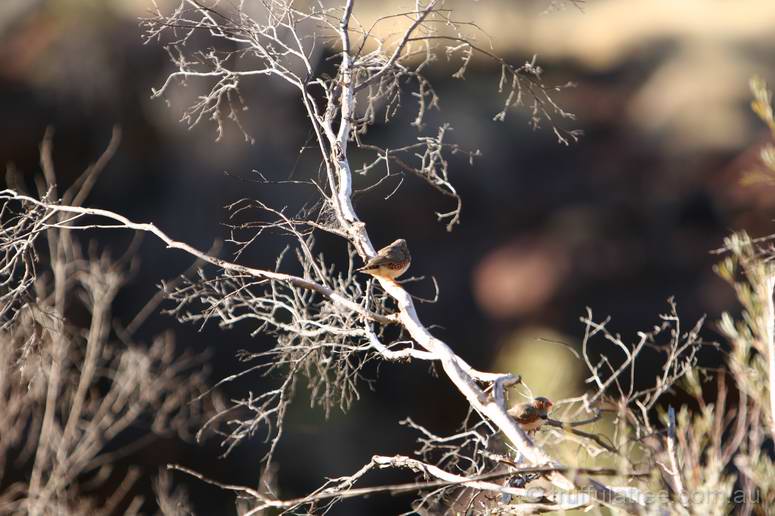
(619, 221)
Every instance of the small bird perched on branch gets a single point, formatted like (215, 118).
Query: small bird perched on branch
(531, 415)
(390, 262)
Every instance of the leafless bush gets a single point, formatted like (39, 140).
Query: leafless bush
(67, 392)
(328, 322)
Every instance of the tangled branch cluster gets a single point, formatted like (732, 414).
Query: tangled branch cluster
(222, 46)
(73, 395)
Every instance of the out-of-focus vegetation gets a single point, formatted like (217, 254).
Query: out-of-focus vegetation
(618, 222)
(79, 393)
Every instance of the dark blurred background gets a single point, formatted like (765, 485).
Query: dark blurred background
(618, 222)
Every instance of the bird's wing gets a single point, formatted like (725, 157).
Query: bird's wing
(376, 261)
(523, 413)
(393, 254)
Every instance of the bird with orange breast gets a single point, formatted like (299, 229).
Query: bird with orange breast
(390, 262)
(531, 415)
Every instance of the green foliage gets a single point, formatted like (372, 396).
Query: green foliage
(750, 272)
(762, 106)
(749, 267)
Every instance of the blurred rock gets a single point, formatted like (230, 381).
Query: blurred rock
(519, 278)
